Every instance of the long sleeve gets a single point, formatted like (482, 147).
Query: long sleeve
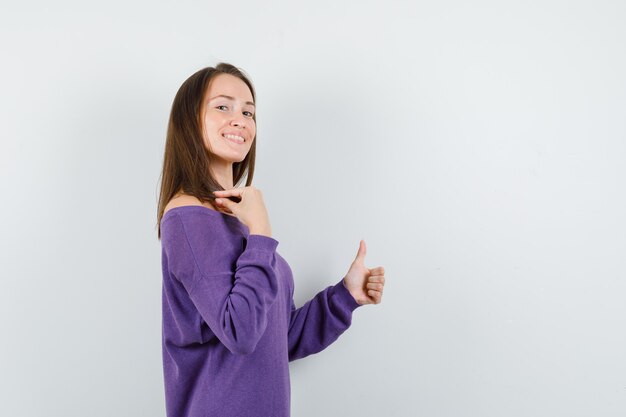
(320, 321)
(233, 300)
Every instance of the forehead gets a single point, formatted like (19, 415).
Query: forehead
(229, 85)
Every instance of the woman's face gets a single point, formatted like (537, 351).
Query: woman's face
(231, 115)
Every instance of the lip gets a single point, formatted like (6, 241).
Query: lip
(245, 139)
(234, 141)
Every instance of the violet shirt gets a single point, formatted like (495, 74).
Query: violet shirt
(230, 326)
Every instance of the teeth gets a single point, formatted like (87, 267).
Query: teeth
(237, 138)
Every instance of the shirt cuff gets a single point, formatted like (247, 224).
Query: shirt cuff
(340, 291)
(261, 242)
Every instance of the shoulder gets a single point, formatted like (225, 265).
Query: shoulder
(190, 225)
(186, 200)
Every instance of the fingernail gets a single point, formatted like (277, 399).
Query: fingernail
(218, 201)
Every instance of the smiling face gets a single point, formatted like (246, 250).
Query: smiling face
(227, 118)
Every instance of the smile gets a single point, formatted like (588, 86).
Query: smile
(234, 138)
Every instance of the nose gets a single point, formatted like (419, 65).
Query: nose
(238, 122)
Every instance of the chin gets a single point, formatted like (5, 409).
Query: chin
(233, 160)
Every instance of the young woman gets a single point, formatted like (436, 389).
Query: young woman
(230, 326)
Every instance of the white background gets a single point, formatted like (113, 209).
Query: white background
(477, 147)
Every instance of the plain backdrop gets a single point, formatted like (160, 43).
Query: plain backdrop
(477, 147)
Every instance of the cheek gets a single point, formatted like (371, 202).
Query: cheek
(212, 127)
(212, 135)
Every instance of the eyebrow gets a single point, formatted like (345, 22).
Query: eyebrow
(230, 98)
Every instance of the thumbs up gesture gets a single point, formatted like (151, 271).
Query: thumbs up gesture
(365, 285)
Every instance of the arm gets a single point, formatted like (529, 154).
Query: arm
(233, 304)
(320, 321)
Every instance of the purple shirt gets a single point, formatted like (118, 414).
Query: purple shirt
(230, 326)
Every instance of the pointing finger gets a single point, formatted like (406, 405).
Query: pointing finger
(230, 192)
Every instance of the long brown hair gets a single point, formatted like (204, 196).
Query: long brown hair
(186, 160)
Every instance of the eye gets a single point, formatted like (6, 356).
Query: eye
(251, 114)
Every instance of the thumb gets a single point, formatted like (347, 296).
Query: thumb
(360, 256)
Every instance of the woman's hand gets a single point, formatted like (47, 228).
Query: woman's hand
(365, 285)
(250, 210)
